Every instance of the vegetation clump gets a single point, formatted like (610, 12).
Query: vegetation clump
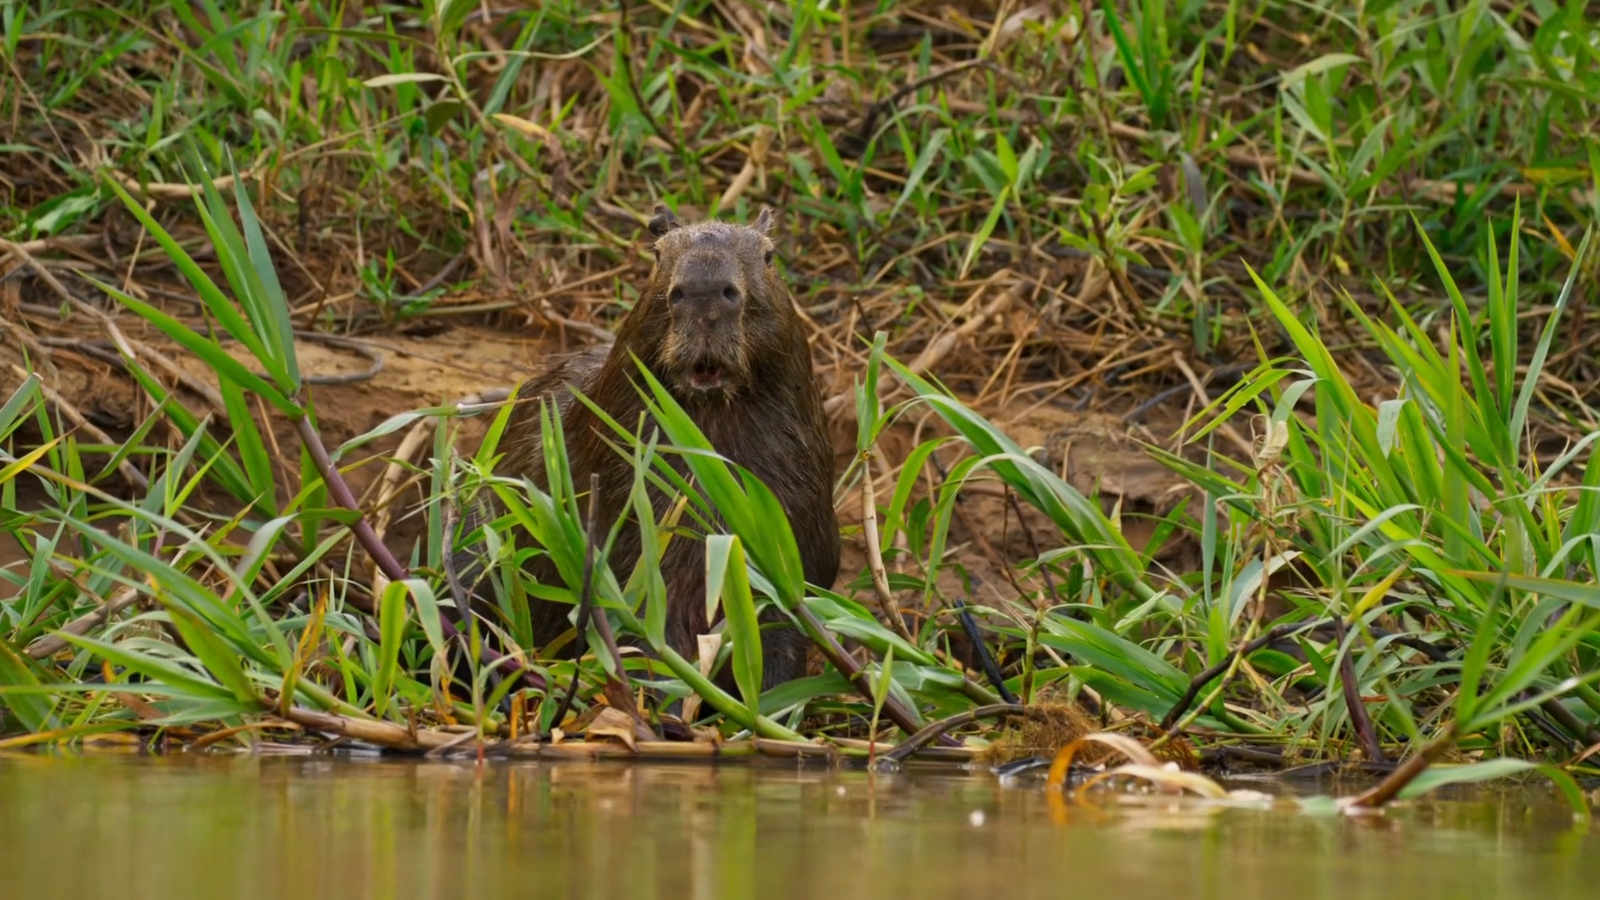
(1322, 265)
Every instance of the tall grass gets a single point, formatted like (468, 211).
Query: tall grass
(1406, 570)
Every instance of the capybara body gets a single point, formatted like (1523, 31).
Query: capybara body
(717, 326)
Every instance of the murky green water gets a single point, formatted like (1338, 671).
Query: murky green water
(299, 828)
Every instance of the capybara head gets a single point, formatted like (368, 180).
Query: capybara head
(724, 309)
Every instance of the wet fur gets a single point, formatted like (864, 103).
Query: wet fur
(768, 417)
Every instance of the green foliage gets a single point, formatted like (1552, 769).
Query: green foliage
(1413, 179)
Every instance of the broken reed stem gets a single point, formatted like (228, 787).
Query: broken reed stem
(384, 734)
(525, 748)
(880, 575)
(49, 645)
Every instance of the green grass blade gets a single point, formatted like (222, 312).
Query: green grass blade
(981, 237)
(919, 169)
(240, 270)
(34, 711)
(391, 628)
(1470, 773)
(164, 672)
(26, 392)
(219, 660)
(210, 294)
(252, 449)
(725, 552)
(1530, 382)
(274, 307)
(208, 351)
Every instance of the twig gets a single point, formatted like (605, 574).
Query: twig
(1033, 547)
(849, 668)
(933, 354)
(41, 358)
(747, 174)
(633, 84)
(52, 243)
(181, 375)
(1566, 719)
(49, 645)
(877, 110)
(162, 190)
(438, 278)
(373, 355)
(1119, 276)
(389, 485)
(384, 734)
(452, 576)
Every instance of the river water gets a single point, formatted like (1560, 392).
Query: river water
(244, 827)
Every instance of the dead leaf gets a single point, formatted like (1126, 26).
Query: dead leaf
(613, 723)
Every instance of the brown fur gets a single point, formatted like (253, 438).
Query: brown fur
(714, 304)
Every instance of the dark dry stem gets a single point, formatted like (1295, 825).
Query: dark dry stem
(1033, 547)
(1566, 719)
(847, 666)
(452, 577)
(1352, 696)
(991, 669)
(1206, 676)
(937, 730)
(339, 490)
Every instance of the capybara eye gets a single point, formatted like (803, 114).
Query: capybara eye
(768, 257)
(731, 294)
(675, 294)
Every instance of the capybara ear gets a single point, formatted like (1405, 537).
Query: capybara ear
(664, 221)
(763, 221)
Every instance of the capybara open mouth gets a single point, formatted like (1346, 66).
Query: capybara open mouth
(706, 375)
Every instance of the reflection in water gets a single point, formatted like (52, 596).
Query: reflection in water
(293, 828)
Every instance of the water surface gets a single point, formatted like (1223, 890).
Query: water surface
(242, 827)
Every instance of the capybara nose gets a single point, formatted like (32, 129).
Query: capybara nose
(705, 297)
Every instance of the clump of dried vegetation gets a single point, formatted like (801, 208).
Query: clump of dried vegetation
(1329, 259)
